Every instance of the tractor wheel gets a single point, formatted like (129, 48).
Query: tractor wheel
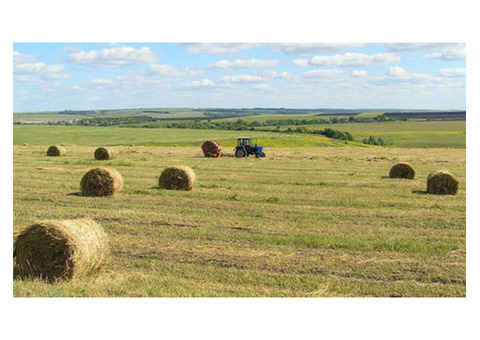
(263, 154)
(240, 153)
(258, 155)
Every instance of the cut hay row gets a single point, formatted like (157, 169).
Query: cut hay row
(62, 249)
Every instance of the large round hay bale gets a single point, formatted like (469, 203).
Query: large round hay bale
(442, 182)
(402, 170)
(61, 249)
(177, 178)
(103, 154)
(56, 151)
(101, 182)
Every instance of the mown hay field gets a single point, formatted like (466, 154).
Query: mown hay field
(309, 222)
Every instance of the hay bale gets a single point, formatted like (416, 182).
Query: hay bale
(101, 182)
(103, 154)
(177, 178)
(402, 170)
(61, 249)
(442, 182)
(56, 151)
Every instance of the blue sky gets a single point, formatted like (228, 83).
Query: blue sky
(61, 76)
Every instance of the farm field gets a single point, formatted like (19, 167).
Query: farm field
(410, 134)
(122, 136)
(305, 221)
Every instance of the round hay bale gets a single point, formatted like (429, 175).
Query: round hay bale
(101, 182)
(61, 249)
(442, 183)
(177, 178)
(56, 151)
(103, 154)
(402, 170)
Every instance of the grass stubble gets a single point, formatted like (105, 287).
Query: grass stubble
(311, 222)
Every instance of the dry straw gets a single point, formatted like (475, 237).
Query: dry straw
(177, 178)
(56, 151)
(101, 182)
(61, 249)
(103, 154)
(402, 170)
(442, 183)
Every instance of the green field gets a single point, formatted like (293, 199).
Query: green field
(56, 116)
(305, 221)
(410, 134)
(123, 136)
(428, 134)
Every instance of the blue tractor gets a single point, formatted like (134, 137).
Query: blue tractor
(245, 148)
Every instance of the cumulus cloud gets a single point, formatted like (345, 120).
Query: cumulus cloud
(287, 48)
(300, 62)
(415, 47)
(101, 81)
(457, 52)
(200, 83)
(255, 78)
(244, 63)
(359, 73)
(38, 71)
(216, 48)
(114, 57)
(170, 71)
(311, 48)
(452, 72)
(328, 73)
(396, 71)
(19, 58)
(243, 78)
(355, 59)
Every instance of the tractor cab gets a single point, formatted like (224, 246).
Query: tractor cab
(244, 142)
(246, 147)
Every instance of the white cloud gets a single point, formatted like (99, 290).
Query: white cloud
(244, 63)
(452, 72)
(38, 71)
(243, 78)
(355, 59)
(200, 83)
(263, 87)
(329, 73)
(311, 48)
(216, 48)
(102, 81)
(396, 71)
(113, 57)
(19, 58)
(300, 62)
(255, 78)
(458, 52)
(169, 71)
(415, 47)
(359, 73)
